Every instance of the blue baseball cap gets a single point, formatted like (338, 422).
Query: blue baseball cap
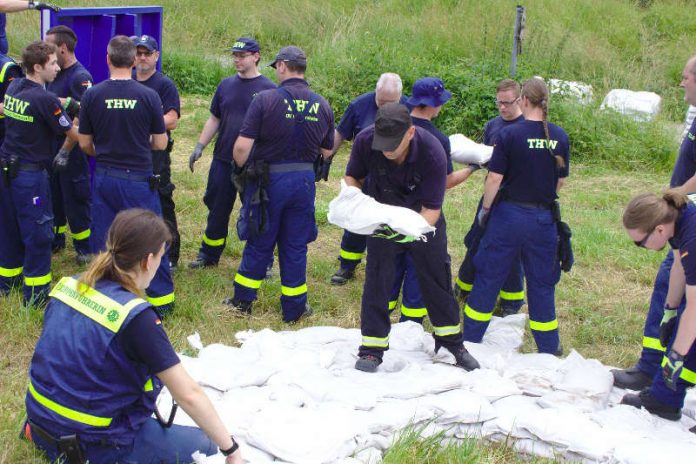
(146, 41)
(245, 44)
(429, 91)
(290, 53)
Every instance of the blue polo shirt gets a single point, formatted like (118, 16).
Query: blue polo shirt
(426, 159)
(33, 117)
(270, 123)
(685, 167)
(360, 113)
(522, 157)
(494, 126)
(230, 104)
(442, 138)
(684, 241)
(121, 115)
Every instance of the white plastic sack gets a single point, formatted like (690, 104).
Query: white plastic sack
(641, 106)
(466, 151)
(578, 91)
(361, 214)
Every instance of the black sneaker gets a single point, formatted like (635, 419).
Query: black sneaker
(653, 406)
(342, 276)
(199, 263)
(631, 378)
(462, 357)
(367, 363)
(239, 305)
(307, 312)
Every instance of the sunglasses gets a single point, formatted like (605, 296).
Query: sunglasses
(641, 243)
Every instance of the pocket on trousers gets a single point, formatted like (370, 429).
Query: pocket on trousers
(43, 231)
(81, 188)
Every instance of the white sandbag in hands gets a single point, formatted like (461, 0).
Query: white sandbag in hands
(361, 214)
(466, 151)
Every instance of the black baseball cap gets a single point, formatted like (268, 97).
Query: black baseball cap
(391, 123)
(246, 44)
(290, 53)
(146, 41)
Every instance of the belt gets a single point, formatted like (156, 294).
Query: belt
(123, 174)
(525, 204)
(68, 445)
(31, 167)
(291, 167)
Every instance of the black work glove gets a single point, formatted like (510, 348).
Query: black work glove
(60, 162)
(71, 107)
(43, 6)
(325, 168)
(388, 233)
(667, 325)
(672, 367)
(196, 155)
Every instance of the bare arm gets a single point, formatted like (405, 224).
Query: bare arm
(430, 215)
(86, 144)
(171, 119)
(71, 138)
(158, 141)
(209, 130)
(11, 6)
(353, 182)
(242, 149)
(491, 188)
(326, 153)
(686, 334)
(677, 282)
(688, 187)
(338, 141)
(560, 184)
(457, 177)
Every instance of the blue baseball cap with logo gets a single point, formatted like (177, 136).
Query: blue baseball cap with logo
(245, 44)
(429, 91)
(290, 53)
(146, 41)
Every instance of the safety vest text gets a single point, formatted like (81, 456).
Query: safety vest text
(542, 143)
(120, 104)
(15, 108)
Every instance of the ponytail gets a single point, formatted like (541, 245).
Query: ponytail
(646, 211)
(560, 162)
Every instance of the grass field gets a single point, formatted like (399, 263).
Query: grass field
(614, 43)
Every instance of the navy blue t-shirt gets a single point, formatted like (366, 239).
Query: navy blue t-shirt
(33, 118)
(684, 241)
(442, 138)
(426, 157)
(360, 113)
(120, 115)
(71, 82)
(8, 72)
(230, 104)
(522, 156)
(685, 167)
(270, 122)
(145, 341)
(166, 89)
(494, 126)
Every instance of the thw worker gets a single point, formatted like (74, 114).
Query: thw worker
(102, 358)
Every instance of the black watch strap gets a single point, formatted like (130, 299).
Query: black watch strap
(232, 449)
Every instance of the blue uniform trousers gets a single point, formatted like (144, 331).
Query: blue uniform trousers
(353, 245)
(219, 197)
(406, 283)
(116, 190)
(514, 231)
(290, 226)
(26, 232)
(152, 444)
(512, 291)
(434, 274)
(72, 203)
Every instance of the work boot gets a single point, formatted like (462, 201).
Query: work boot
(368, 363)
(559, 352)
(199, 263)
(342, 276)
(631, 378)
(462, 357)
(653, 406)
(307, 312)
(83, 259)
(239, 305)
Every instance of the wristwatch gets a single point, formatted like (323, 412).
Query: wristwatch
(232, 449)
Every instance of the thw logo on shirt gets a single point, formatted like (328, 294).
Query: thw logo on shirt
(15, 108)
(120, 104)
(542, 143)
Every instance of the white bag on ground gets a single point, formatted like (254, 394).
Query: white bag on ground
(361, 214)
(641, 106)
(578, 91)
(466, 151)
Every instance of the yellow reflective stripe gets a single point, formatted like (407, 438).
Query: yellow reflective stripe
(379, 342)
(59, 229)
(148, 385)
(247, 282)
(293, 291)
(161, 300)
(543, 326)
(82, 235)
(36, 281)
(392, 305)
(4, 69)
(512, 295)
(77, 416)
(686, 374)
(463, 285)
(213, 242)
(653, 344)
(350, 256)
(413, 312)
(93, 304)
(447, 330)
(7, 272)
(477, 316)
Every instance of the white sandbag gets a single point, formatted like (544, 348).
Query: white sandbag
(578, 91)
(409, 336)
(534, 373)
(652, 451)
(466, 151)
(458, 406)
(532, 447)
(506, 332)
(369, 456)
(250, 455)
(242, 368)
(641, 106)
(586, 378)
(490, 384)
(361, 214)
(510, 411)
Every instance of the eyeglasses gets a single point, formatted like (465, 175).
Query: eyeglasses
(241, 56)
(506, 103)
(144, 53)
(641, 243)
